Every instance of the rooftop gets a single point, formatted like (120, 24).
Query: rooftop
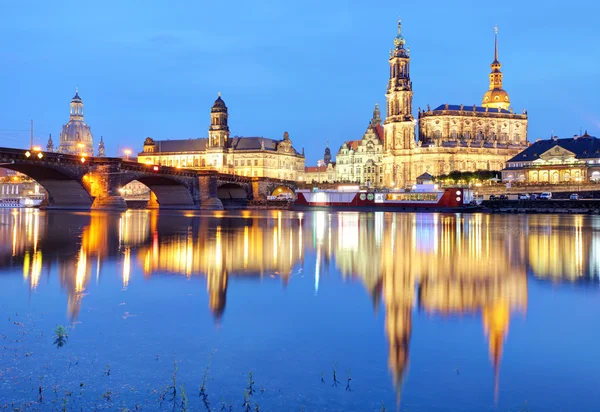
(584, 147)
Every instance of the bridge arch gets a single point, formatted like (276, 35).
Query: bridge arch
(283, 190)
(66, 189)
(169, 192)
(232, 191)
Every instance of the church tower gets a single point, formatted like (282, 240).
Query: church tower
(101, 150)
(218, 132)
(496, 97)
(399, 126)
(376, 120)
(327, 154)
(50, 144)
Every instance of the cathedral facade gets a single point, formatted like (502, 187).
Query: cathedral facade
(243, 156)
(450, 137)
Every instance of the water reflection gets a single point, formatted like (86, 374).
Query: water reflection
(443, 265)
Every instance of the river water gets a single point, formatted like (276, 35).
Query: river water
(423, 312)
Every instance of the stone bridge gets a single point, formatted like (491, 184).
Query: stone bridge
(75, 182)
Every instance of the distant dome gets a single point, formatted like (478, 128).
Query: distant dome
(219, 105)
(73, 133)
(76, 136)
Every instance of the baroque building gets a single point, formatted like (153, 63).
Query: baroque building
(244, 156)
(555, 161)
(450, 137)
(76, 135)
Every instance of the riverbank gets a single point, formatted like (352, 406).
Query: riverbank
(584, 206)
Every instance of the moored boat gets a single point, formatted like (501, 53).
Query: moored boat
(19, 202)
(421, 197)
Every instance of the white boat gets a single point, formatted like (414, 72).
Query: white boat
(19, 202)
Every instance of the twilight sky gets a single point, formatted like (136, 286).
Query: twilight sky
(314, 68)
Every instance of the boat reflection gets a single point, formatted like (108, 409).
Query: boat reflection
(443, 265)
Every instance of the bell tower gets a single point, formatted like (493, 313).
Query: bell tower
(399, 126)
(496, 97)
(218, 132)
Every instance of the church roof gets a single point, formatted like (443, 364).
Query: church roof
(584, 147)
(470, 109)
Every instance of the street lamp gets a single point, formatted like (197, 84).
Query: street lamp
(80, 146)
(127, 153)
(578, 180)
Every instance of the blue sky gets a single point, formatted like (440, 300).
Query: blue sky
(312, 68)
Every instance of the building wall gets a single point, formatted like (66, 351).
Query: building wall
(362, 162)
(261, 163)
(323, 175)
(441, 126)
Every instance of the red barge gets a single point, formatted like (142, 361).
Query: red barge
(421, 197)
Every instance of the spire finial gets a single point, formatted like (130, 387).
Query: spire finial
(326, 142)
(219, 93)
(76, 89)
(399, 26)
(495, 43)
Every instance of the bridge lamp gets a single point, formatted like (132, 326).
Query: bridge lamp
(27, 154)
(37, 149)
(127, 153)
(155, 168)
(40, 155)
(82, 159)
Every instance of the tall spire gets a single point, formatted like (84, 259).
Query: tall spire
(496, 97)
(376, 120)
(50, 144)
(101, 150)
(496, 44)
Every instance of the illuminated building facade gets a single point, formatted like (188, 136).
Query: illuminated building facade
(450, 137)
(361, 161)
(244, 156)
(76, 135)
(555, 161)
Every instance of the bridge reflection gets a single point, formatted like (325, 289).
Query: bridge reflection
(443, 265)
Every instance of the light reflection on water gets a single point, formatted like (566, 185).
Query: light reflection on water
(441, 265)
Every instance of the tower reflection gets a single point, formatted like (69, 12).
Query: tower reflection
(441, 265)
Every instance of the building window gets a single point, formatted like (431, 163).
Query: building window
(195, 162)
(236, 162)
(256, 173)
(255, 162)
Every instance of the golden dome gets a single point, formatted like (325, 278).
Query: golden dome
(496, 98)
